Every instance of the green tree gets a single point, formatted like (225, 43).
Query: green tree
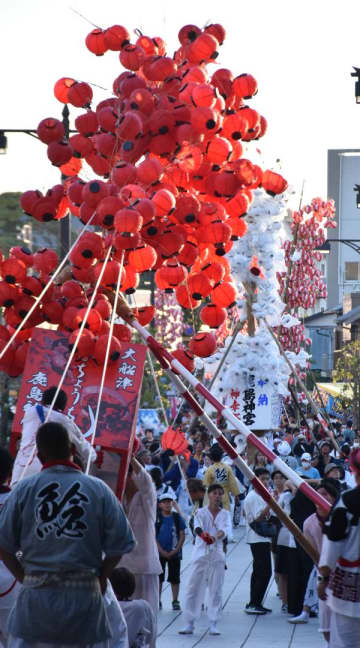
(13, 220)
(348, 372)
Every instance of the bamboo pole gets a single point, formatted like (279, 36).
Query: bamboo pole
(106, 360)
(244, 468)
(237, 330)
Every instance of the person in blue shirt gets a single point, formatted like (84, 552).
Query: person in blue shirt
(173, 476)
(306, 469)
(170, 536)
(349, 434)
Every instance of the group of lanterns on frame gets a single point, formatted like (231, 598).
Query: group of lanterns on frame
(171, 194)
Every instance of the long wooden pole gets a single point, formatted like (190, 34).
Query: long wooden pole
(168, 361)
(243, 467)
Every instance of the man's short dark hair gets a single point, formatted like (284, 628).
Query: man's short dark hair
(53, 441)
(277, 472)
(332, 486)
(349, 423)
(6, 463)
(213, 487)
(48, 397)
(261, 471)
(194, 485)
(215, 452)
(123, 582)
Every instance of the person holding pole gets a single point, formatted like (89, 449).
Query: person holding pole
(339, 565)
(257, 511)
(26, 461)
(211, 527)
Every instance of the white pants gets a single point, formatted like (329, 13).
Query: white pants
(207, 573)
(324, 616)
(147, 587)
(344, 631)
(311, 598)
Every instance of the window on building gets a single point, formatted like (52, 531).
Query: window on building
(352, 271)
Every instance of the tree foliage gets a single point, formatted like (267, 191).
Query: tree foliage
(348, 372)
(12, 221)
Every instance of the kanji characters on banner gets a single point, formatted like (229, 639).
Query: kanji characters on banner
(47, 356)
(255, 402)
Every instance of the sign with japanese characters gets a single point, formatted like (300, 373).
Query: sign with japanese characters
(46, 360)
(255, 403)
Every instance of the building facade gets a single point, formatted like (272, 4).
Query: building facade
(343, 263)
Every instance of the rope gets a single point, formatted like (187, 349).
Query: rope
(113, 318)
(83, 323)
(149, 359)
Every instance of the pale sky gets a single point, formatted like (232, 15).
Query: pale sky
(301, 54)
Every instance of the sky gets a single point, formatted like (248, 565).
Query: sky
(300, 52)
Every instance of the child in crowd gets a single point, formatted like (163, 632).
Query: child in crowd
(212, 527)
(138, 614)
(170, 536)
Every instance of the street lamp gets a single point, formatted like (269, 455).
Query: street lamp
(354, 244)
(357, 83)
(3, 143)
(65, 223)
(357, 189)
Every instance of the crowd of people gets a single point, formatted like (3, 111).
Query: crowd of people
(76, 561)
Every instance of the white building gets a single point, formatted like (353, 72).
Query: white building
(343, 264)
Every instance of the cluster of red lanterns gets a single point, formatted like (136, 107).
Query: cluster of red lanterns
(172, 187)
(23, 277)
(305, 284)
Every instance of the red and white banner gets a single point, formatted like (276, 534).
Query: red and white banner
(46, 360)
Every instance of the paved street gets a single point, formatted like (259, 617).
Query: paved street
(238, 630)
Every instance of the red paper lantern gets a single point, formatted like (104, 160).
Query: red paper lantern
(23, 253)
(50, 130)
(116, 37)
(184, 298)
(122, 332)
(273, 183)
(80, 94)
(203, 345)
(9, 294)
(145, 314)
(186, 358)
(212, 315)
(13, 270)
(85, 345)
(199, 286)
(245, 86)
(132, 57)
(101, 346)
(173, 273)
(143, 258)
(224, 294)
(61, 89)
(32, 286)
(95, 42)
(59, 153)
(87, 124)
(128, 221)
(46, 261)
